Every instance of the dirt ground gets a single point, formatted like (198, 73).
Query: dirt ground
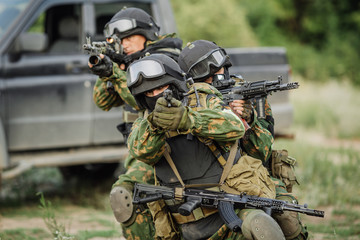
(75, 219)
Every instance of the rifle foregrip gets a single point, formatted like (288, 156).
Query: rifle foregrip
(260, 108)
(228, 215)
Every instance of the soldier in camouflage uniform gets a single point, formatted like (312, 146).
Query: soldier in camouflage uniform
(139, 35)
(194, 62)
(186, 139)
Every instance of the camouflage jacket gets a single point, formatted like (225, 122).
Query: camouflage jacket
(106, 99)
(258, 140)
(147, 142)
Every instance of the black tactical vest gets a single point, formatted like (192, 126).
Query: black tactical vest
(193, 159)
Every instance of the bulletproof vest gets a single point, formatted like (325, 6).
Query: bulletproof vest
(193, 159)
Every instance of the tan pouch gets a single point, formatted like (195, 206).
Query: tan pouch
(282, 167)
(164, 225)
(250, 176)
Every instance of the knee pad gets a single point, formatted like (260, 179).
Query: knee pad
(121, 203)
(258, 225)
(288, 221)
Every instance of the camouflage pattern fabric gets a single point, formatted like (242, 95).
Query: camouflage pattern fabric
(138, 172)
(105, 99)
(281, 192)
(143, 227)
(147, 143)
(258, 141)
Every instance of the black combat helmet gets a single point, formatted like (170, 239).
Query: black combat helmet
(154, 71)
(132, 21)
(201, 59)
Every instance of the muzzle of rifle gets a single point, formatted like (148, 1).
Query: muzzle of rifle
(94, 60)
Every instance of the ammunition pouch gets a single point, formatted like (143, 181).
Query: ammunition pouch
(250, 176)
(282, 167)
(164, 224)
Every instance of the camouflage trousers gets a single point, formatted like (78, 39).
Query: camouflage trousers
(140, 225)
(282, 194)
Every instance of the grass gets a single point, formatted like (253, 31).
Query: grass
(330, 108)
(327, 149)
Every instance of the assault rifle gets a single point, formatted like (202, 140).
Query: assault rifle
(113, 49)
(224, 202)
(252, 90)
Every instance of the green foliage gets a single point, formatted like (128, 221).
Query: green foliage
(215, 20)
(330, 108)
(321, 36)
(24, 234)
(57, 229)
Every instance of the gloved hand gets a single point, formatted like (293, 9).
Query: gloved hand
(103, 68)
(244, 109)
(171, 118)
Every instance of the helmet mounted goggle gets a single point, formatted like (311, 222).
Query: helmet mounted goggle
(202, 67)
(123, 25)
(150, 69)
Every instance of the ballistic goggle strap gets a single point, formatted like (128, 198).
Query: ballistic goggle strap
(123, 25)
(202, 67)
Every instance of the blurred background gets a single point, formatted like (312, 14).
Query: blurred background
(323, 47)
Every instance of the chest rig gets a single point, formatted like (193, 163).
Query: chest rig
(192, 161)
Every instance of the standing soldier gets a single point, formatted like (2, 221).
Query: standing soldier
(139, 34)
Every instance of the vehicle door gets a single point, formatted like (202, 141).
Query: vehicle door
(46, 80)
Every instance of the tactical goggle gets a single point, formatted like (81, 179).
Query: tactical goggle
(123, 25)
(202, 67)
(148, 69)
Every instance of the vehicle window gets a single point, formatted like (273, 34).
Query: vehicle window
(9, 11)
(63, 28)
(39, 25)
(56, 30)
(105, 11)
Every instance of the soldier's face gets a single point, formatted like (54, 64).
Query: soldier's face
(133, 44)
(210, 79)
(156, 91)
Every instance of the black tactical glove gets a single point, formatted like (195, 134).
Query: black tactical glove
(103, 68)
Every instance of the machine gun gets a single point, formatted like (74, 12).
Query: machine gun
(258, 90)
(111, 48)
(224, 202)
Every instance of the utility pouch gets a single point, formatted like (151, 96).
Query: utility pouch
(164, 224)
(250, 176)
(282, 167)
